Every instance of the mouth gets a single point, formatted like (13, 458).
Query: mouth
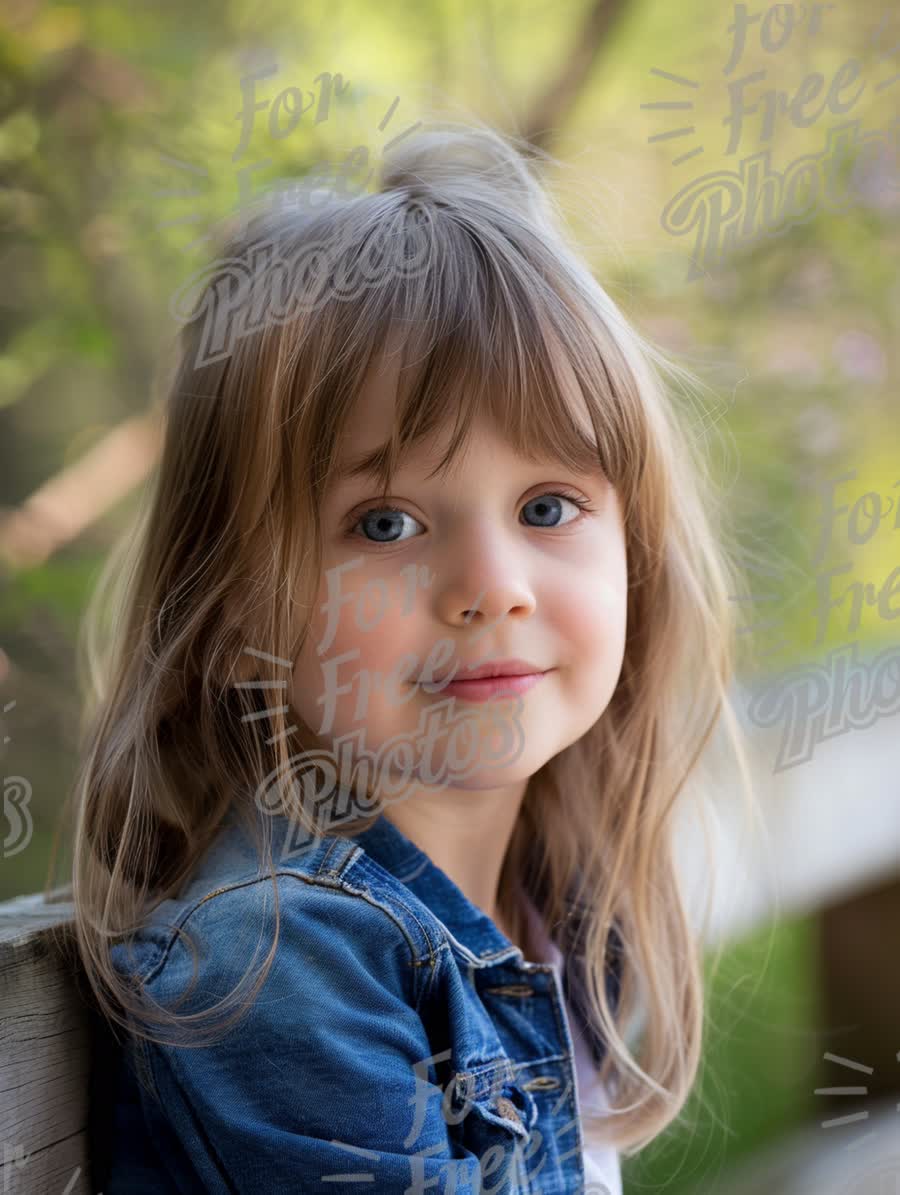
(501, 678)
(493, 669)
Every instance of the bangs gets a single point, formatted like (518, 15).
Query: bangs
(494, 327)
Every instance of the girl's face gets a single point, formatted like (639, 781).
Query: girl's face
(493, 561)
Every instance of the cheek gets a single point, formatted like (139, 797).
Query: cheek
(370, 633)
(593, 612)
(595, 635)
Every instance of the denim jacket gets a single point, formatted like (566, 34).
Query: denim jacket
(399, 1044)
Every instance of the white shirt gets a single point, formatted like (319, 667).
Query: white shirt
(602, 1174)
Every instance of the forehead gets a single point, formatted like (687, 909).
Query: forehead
(373, 413)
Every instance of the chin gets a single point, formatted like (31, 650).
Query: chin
(485, 779)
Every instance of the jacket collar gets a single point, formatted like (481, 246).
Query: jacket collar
(473, 932)
(474, 935)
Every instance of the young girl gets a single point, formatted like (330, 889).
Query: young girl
(426, 628)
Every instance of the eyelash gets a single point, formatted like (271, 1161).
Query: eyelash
(582, 503)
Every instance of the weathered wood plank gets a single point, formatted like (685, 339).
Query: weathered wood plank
(44, 1054)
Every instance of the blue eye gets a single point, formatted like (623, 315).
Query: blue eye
(385, 523)
(547, 506)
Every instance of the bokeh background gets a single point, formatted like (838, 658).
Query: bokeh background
(121, 155)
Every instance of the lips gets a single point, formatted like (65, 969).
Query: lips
(494, 668)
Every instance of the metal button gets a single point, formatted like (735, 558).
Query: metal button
(508, 1110)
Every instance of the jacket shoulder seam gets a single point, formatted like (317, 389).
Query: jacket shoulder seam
(328, 881)
(434, 949)
(425, 967)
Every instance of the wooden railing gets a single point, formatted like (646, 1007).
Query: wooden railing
(45, 1051)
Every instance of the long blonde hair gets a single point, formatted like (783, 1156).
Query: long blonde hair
(466, 252)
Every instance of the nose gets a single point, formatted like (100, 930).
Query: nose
(492, 605)
(486, 580)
